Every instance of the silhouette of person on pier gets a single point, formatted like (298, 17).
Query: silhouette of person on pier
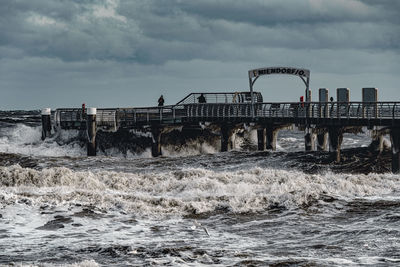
(161, 101)
(202, 99)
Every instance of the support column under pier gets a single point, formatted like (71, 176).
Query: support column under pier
(156, 142)
(309, 142)
(91, 129)
(261, 139)
(322, 141)
(271, 136)
(377, 140)
(226, 137)
(46, 123)
(395, 138)
(267, 136)
(335, 141)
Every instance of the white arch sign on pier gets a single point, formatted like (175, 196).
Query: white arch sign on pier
(304, 74)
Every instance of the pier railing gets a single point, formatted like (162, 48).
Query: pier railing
(227, 98)
(111, 119)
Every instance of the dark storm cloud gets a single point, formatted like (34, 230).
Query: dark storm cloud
(292, 24)
(153, 32)
(77, 47)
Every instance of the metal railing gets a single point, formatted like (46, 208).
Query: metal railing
(231, 97)
(76, 118)
(111, 119)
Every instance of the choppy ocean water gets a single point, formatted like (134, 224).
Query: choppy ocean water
(192, 207)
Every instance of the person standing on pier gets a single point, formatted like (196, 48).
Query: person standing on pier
(202, 99)
(161, 101)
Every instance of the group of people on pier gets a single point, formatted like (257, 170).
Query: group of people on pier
(201, 99)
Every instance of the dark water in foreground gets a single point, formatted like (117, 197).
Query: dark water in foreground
(286, 208)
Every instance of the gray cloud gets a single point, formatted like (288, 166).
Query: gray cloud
(92, 43)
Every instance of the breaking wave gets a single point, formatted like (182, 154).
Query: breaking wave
(23, 139)
(187, 191)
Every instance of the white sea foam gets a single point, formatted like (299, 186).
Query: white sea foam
(191, 190)
(26, 140)
(23, 139)
(189, 149)
(85, 263)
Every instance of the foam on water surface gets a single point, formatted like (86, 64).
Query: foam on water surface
(193, 206)
(186, 191)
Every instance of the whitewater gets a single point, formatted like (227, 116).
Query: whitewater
(194, 206)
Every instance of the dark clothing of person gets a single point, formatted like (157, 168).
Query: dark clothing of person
(161, 101)
(201, 99)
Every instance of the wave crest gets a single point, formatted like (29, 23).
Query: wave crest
(188, 191)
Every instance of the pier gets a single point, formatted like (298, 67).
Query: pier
(324, 122)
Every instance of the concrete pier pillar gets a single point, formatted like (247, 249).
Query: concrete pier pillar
(322, 141)
(271, 136)
(156, 142)
(91, 128)
(226, 138)
(46, 123)
(335, 141)
(395, 138)
(261, 139)
(377, 143)
(309, 142)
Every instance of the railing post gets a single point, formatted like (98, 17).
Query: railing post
(46, 123)
(91, 129)
(134, 115)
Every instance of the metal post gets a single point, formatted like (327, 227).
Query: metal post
(252, 97)
(46, 123)
(91, 128)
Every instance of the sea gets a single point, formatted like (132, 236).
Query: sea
(193, 206)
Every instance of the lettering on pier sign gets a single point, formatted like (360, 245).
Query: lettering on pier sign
(279, 70)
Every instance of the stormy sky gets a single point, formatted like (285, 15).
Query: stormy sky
(122, 53)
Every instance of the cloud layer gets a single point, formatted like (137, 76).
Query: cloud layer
(90, 46)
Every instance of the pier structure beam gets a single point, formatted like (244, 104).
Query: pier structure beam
(267, 135)
(91, 129)
(46, 123)
(377, 143)
(395, 138)
(156, 141)
(309, 139)
(271, 136)
(261, 139)
(335, 141)
(226, 137)
(322, 141)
